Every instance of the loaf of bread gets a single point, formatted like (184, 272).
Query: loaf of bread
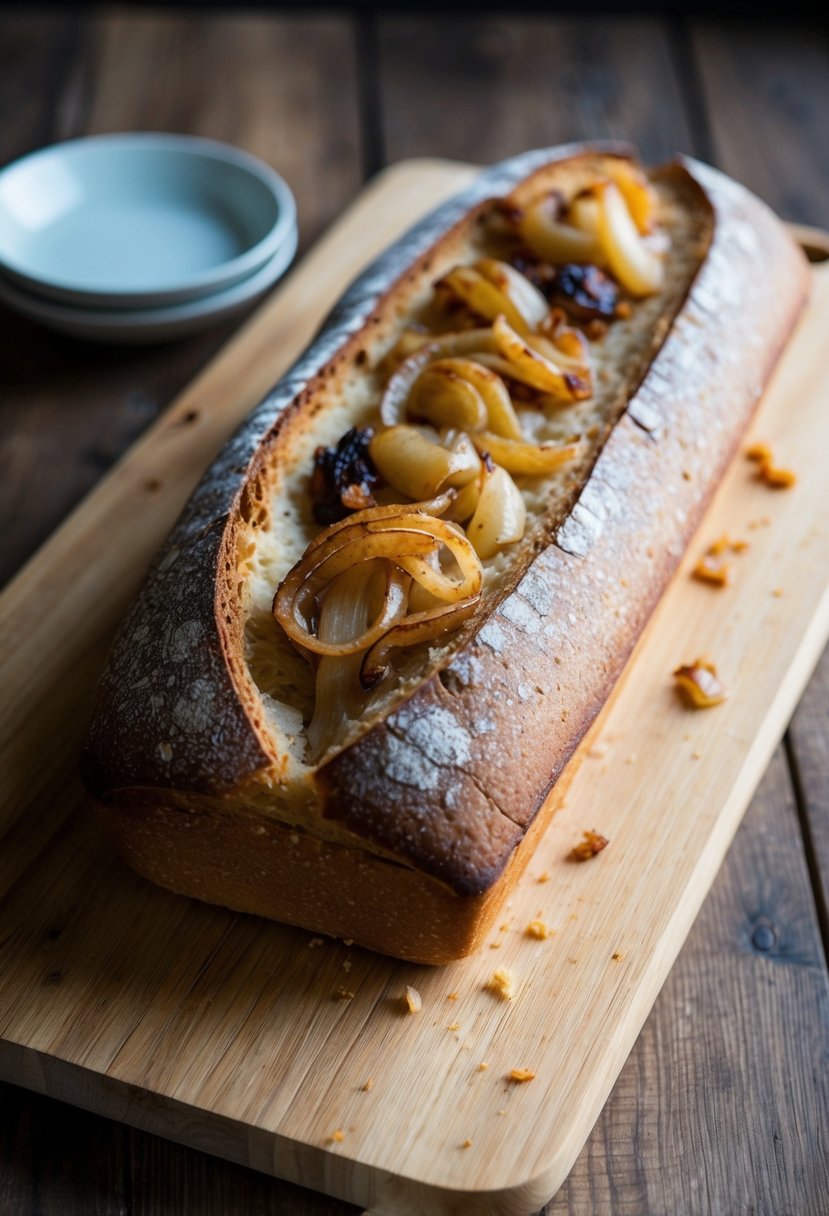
(354, 684)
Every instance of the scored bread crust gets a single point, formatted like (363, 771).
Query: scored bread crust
(429, 805)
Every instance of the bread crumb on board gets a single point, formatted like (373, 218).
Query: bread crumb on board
(520, 1075)
(454, 1026)
(483, 1066)
(413, 1000)
(538, 929)
(344, 994)
(545, 877)
(591, 843)
(337, 1136)
(367, 1086)
(712, 568)
(453, 996)
(767, 471)
(314, 942)
(699, 685)
(467, 1144)
(502, 984)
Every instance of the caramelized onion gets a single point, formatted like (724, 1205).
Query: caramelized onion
(396, 395)
(445, 394)
(524, 295)
(498, 413)
(466, 499)
(639, 269)
(529, 459)
(415, 629)
(418, 467)
(345, 614)
(396, 537)
(519, 360)
(554, 241)
(637, 193)
(500, 516)
(482, 296)
(567, 348)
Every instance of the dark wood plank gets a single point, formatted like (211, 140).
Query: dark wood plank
(483, 90)
(36, 53)
(766, 93)
(282, 87)
(58, 1162)
(288, 94)
(809, 754)
(723, 1104)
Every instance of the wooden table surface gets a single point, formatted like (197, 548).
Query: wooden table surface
(723, 1106)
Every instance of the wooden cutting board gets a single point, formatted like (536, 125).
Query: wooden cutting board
(257, 1042)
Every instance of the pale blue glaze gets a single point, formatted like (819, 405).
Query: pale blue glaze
(138, 221)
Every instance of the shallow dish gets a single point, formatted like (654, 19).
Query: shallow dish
(139, 220)
(149, 324)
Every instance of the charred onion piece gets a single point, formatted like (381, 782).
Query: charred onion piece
(344, 476)
(518, 359)
(585, 291)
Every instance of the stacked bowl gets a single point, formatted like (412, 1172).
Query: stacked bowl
(140, 237)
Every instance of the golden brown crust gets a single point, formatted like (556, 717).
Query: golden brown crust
(457, 776)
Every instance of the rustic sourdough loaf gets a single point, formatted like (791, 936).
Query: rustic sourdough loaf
(404, 833)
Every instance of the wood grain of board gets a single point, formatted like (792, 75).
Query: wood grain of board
(524, 83)
(205, 1025)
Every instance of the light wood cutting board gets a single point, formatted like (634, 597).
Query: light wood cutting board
(232, 1034)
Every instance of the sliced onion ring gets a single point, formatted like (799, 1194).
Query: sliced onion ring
(345, 612)
(415, 629)
(372, 534)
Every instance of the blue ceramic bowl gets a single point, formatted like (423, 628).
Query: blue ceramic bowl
(139, 221)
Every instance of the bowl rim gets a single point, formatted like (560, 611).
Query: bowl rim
(205, 308)
(204, 282)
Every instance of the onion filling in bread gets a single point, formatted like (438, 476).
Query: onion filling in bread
(462, 432)
(352, 690)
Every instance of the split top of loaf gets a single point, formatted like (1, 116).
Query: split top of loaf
(553, 393)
